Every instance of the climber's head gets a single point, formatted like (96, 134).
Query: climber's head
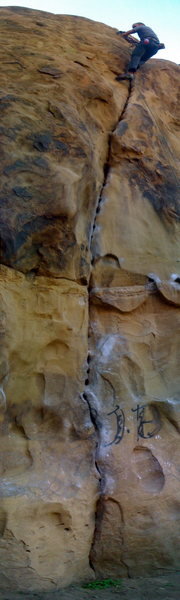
(137, 25)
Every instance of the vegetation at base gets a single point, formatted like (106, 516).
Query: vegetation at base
(103, 584)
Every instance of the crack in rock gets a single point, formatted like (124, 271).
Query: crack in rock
(100, 507)
(107, 168)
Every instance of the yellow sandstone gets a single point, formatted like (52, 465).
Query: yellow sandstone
(89, 313)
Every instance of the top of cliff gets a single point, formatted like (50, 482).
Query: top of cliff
(72, 137)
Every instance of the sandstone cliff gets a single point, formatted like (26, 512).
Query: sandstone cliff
(90, 289)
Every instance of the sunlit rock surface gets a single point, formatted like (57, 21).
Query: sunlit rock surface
(89, 316)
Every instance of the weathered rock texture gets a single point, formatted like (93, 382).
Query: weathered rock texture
(90, 284)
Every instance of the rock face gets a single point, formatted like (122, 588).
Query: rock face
(90, 289)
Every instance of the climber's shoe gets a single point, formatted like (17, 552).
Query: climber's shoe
(128, 76)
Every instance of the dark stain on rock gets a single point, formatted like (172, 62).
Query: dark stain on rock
(122, 127)
(41, 162)
(34, 226)
(19, 165)
(22, 192)
(3, 521)
(77, 62)
(40, 24)
(42, 141)
(5, 102)
(61, 146)
(7, 248)
(162, 193)
(10, 133)
(52, 71)
(42, 244)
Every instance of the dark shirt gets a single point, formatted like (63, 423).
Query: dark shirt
(145, 32)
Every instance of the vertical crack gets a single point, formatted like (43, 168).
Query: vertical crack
(95, 417)
(101, 509)
(107, 166)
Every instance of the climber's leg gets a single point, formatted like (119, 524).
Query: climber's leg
(140, 55)
(151, 49)
(137, 54)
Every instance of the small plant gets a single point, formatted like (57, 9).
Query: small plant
(103, 584)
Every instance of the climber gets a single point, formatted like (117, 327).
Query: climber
(148, 46)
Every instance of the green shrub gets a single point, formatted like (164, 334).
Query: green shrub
(102, 584)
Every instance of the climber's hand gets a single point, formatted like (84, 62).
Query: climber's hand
(120, 32)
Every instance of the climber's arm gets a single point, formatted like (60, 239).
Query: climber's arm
(128, 39)
(125, 33)
(128, 32)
